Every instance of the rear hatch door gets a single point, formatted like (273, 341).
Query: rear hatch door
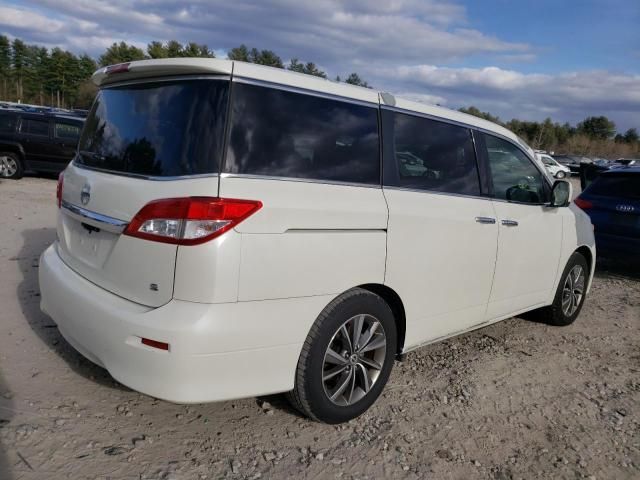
(141, 142)
(615, 204)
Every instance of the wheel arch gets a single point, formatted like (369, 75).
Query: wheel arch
(13, 148)
(397, 308)
(587, 254)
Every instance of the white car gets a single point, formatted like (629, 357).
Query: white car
(230, 230)
(555, 169)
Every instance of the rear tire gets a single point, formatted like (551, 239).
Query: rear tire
(346, 359)
(11, 166)
(571, 293)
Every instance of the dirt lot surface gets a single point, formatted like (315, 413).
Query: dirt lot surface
(515, 400)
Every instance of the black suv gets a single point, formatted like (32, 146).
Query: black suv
(36, 141)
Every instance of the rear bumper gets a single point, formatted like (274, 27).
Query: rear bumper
(615, 246)
(217, 351)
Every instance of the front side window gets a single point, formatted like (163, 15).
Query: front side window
(285, 134)
(514, 176)
(67, 131)
(427, 154)
(31, 126)
(161, 129)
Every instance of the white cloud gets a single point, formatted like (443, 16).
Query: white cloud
(508, 93)
(28, 20)
(394, 44)
(327, 31)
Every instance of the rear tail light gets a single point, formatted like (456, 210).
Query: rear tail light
(59, 189)
(583, 204)
(191, 220)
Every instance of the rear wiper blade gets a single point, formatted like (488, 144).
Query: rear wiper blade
(94, 155)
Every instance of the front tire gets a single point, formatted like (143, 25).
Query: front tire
(571, 292)
(10, 166)
(346, 359)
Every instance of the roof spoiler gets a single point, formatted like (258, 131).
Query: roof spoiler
(161, 68)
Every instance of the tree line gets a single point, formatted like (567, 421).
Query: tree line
(595, 136)
(56, 77)
(35, 74)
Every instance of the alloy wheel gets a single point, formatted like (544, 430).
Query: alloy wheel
(8, 166)
(573, 290)
(353, 360)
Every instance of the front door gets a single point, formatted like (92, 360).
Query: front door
(442, 235)
(530, 233)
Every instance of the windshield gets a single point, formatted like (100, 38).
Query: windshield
(171, 128)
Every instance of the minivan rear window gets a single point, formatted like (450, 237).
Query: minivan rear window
(280, 133)
(162, 129)
(617, 185)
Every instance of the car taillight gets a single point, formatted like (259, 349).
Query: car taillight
(583, 204)
(190, 220)
(59, 188)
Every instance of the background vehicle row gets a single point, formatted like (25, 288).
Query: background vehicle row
(36, 141)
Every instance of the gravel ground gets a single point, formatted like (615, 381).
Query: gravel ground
(518, 399)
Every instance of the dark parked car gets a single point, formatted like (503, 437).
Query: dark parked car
(612, 201)
(590, 171)
(628, 161)
(36, 141)
(571, 161)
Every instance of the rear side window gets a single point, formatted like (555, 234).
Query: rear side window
(426, 154)
(620, 186)
(514, 176)
(285, 134)
(67, 131)
(159, 129)
(32, 126)
(7, 123)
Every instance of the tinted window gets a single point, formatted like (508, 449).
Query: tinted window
(514, 176)
(429, 155)
(285, 134)
(35, 127)
(67, 131)
(7, 123)
(158, 129)
(621, 186)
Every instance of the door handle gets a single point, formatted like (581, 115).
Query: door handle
(485, 220)
(510, 223)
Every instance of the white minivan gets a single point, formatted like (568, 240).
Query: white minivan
(230, 230)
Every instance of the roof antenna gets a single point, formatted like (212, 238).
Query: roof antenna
(388, 99)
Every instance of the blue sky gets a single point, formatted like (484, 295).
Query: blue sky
(525, 59)
(586, 34)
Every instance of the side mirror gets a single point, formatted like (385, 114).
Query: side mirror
(561, 194)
